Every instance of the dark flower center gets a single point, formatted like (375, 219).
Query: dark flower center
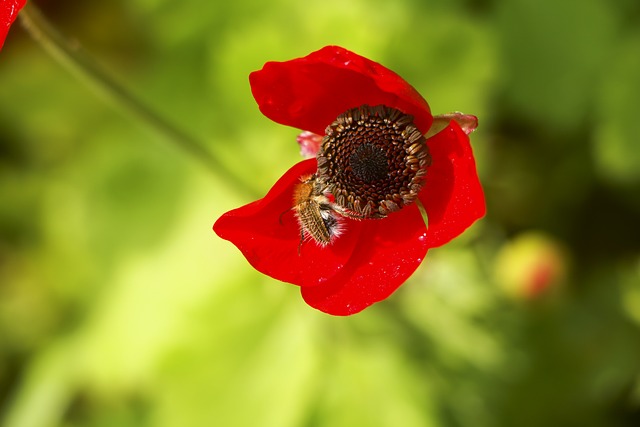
(369, 163)
(373, 160)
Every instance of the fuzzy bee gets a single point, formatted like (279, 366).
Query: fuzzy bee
(318, 217)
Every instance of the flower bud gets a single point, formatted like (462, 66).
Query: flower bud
(531, 265)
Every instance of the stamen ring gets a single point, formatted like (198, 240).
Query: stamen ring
(373, 160)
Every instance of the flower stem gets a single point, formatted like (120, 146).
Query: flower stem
(73, 57)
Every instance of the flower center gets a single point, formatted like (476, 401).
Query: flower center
(369, 163)
(373, 160)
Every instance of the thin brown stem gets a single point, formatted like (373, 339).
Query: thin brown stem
(71, 55)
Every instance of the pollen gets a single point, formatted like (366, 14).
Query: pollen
(373, 160)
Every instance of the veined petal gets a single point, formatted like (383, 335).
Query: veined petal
(387, 252)
(267, 233)
(452, 195)
(309, 93)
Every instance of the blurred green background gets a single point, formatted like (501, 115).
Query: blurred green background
(120, 307)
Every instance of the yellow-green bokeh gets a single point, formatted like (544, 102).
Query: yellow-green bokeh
(120, 307)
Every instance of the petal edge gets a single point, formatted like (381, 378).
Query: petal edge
(453, 196)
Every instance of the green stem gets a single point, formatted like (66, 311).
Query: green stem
(72, 56)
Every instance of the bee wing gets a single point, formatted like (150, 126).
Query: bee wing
(312, 222)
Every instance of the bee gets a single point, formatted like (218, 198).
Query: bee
(319, 218)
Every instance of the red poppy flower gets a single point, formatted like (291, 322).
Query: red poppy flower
(8, 12)
(367, 259)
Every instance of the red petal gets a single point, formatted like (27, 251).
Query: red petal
(8, 12)
(452, 195)
(388, 251)
(309, 93)
(266, 232)
(364, 265)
